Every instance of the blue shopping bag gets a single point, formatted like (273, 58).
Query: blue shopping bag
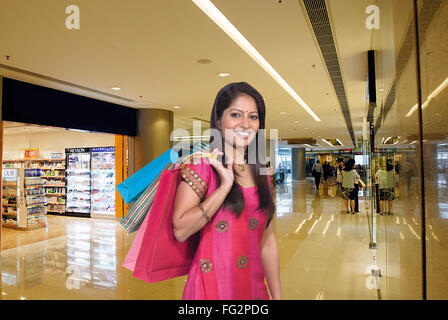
(141, 187)
(132, 187)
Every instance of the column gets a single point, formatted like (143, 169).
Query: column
(154, 127)
(298, 162)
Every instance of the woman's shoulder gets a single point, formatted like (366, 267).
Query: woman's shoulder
(200, 166)
(198, 175)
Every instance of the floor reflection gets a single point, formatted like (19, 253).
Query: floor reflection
(323, 254)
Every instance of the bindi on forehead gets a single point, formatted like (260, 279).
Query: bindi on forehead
(244, 111)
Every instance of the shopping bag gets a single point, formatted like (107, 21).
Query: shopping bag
(131, 257)
(132, 187)
(160, 256)
(139, 209)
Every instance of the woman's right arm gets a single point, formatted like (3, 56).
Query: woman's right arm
(187, 216)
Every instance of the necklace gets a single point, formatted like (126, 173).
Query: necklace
(240, 166)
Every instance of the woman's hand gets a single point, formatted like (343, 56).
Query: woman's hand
(225, 174)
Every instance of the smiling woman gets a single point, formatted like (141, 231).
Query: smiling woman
(234, 208)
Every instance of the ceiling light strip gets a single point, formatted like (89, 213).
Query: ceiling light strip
(214, 14)
(431, 96)
(326, 141)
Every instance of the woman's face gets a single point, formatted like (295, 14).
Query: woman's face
(239, 123)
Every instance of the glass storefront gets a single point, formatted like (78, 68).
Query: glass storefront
(410, 134)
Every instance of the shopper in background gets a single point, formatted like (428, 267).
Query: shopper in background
(339, 167)
(356, 183)
(230, 204)
(386, 180)
(326, 168)
(348, 185)
(317, 173)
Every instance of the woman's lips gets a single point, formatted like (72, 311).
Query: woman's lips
(242, 134)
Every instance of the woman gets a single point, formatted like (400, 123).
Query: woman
(386, 181)
(233, 208)
(348, 185)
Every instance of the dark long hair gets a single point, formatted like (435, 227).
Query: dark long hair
(389, 165)
(235, 199)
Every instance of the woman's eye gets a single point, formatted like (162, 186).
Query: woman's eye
(234, 115)
(254, 117)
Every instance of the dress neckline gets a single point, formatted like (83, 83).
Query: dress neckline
(247, 187)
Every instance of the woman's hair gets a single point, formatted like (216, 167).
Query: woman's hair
(349, 165)
(223, 100)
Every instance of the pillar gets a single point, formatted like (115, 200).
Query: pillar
(298, 163)
(154, 127)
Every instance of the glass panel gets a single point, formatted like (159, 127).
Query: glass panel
(395, 158)
(433, 17)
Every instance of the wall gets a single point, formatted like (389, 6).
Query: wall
(53, 141)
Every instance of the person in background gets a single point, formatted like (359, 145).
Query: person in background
(339, 167)
(386, 180)
(317, 173)
(326, 168)
(356, 183)
(348, 185)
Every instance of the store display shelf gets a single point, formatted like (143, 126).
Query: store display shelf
(55, 185)
(29, 228)
(55, 211)
(12, 216)
(36, 205)
(34, 186)
(55, 194)
(52, 168)
(56, 177)
(55, 203)
(34, 160)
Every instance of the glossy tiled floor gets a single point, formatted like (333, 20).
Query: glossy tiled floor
(324, 254)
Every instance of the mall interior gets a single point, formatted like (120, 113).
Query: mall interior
(91, 93)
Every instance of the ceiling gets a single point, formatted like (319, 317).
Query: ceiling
(150, 49)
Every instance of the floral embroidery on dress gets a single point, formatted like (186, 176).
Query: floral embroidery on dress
(253, 223)
(222, 226)
(241, 262)
(206, 265)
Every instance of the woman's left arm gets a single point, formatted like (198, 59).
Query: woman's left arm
(270, 261)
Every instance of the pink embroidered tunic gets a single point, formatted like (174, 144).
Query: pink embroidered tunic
(227, 264)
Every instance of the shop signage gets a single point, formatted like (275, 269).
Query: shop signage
(57, 155)
(77, 150)
(29, 153)
(9, 173)
(103, 149)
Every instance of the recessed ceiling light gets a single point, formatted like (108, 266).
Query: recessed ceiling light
(176, 107)
(306, 128)
(204, 61)
(223, 74)
(116, 88)
(214, 14)
(282, 112)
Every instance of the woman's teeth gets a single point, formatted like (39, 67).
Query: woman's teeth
(242, 134)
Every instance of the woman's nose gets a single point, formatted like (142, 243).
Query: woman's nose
(245, 121)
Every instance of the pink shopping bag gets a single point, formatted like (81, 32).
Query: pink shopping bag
(155, 254)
